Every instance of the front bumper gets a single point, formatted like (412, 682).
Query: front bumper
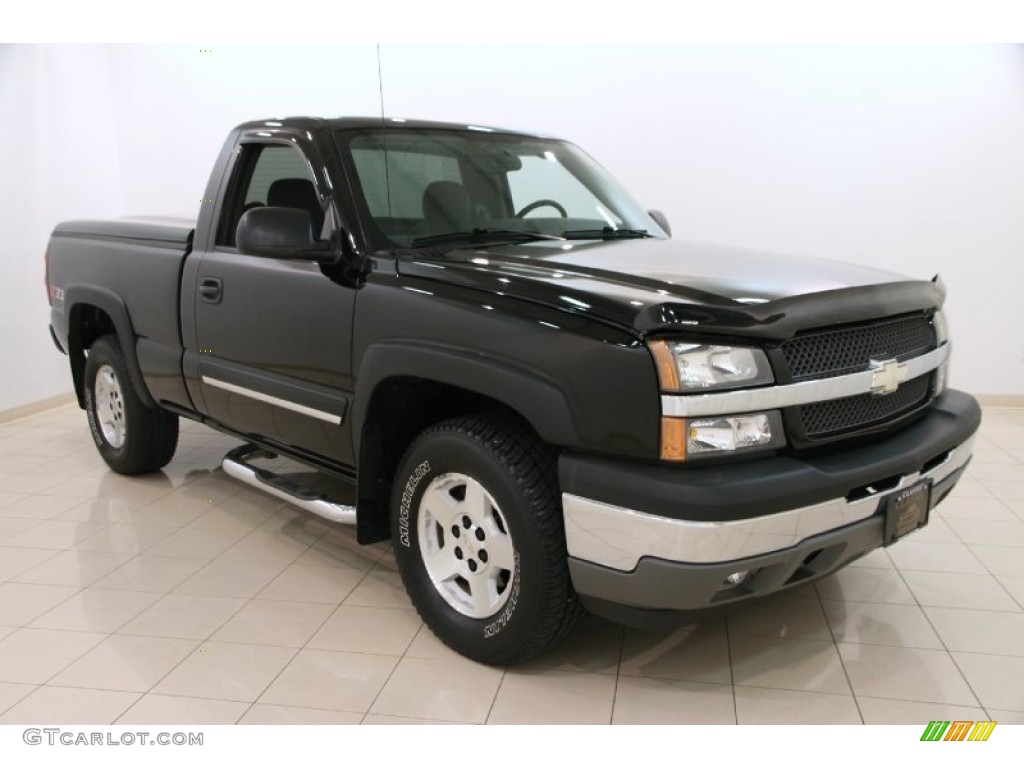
(786, 520)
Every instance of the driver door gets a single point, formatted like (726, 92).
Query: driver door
(274, 335)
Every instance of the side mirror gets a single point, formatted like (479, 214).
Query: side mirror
(661, 221)
(279, 233)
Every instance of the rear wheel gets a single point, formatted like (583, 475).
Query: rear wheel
(131, 438)
(479, 539)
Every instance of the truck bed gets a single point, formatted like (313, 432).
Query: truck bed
(136, 263)
(168, 230)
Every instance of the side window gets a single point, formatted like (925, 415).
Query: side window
(268, 174)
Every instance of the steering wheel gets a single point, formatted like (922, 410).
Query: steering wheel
(540, 204)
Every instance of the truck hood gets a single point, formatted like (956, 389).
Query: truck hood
(651, 284)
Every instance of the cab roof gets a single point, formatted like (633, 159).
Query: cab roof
(308, 123)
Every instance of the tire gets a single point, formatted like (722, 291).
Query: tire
(132, 438)
(479, 539)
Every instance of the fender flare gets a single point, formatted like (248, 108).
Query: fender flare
(535, 396)
(111, 304)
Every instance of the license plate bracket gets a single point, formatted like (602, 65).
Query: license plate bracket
(907, 510)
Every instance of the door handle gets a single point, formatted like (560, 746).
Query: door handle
(211, 289)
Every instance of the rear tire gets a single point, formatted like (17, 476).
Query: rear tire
(132, 438)
(479, 539)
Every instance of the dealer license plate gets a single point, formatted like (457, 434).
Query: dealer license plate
(907, 510)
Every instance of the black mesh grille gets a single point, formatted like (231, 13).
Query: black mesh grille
(824, 354)
(860, 411)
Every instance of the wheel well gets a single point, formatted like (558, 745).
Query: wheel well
(399, 410)
(86, 324)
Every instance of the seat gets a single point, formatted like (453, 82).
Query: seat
(297, 193)
(446, 207)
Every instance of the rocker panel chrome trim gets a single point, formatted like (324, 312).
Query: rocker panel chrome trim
(305, 410)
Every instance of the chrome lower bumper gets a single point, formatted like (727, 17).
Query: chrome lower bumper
(617, 537)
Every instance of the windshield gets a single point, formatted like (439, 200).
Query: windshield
(424, 187)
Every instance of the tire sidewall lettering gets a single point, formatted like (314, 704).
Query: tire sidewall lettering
(493, 628)
(90, 412)
(415, 478)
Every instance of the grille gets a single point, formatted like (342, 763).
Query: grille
(836, 352)
(860, 411)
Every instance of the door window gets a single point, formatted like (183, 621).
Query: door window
(269, 174)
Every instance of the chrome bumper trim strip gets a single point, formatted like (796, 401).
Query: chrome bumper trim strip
(618, 537)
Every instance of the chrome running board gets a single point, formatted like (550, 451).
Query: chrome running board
(236, 465)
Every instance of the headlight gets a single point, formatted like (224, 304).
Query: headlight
(683, 439)
(685, 367)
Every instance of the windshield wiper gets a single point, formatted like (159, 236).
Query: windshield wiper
(607, 233)
(481, 235)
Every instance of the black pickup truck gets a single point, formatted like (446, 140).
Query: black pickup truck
(542, 400)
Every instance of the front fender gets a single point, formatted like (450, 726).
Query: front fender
(533, 395)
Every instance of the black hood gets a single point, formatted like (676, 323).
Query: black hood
(659, 285)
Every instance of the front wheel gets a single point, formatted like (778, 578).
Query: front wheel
(131, 437)
(479, 539)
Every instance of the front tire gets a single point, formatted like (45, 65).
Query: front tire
(479, 539)
(131, 438)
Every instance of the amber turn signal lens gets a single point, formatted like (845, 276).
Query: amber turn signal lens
(668, 373)
(673, 439)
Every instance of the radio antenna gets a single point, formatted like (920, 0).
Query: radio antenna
(383, 136)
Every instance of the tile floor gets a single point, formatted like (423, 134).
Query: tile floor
(186, 598)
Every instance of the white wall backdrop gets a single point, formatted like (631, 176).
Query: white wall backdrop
(911, 158)
(58, 160)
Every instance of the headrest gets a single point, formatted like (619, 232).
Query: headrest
(297, 193)
(445, 206)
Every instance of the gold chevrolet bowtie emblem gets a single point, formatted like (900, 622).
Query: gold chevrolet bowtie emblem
(888, 375)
